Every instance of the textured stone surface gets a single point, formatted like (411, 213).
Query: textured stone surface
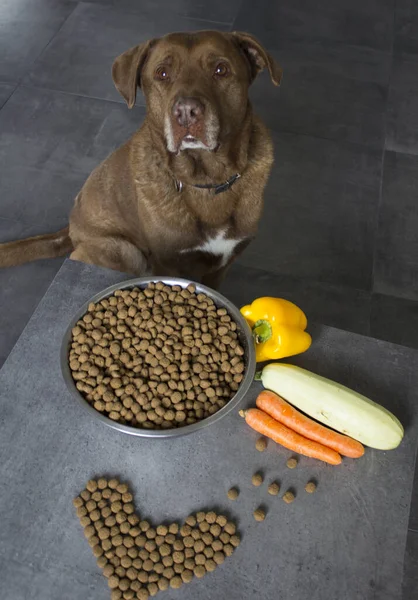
(347, 540)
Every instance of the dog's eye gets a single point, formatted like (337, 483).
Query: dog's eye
(161, 74)
(221, 70)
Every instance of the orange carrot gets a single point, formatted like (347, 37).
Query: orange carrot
(282, 411)
(263, 423)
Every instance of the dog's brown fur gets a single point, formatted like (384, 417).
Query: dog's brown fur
(129, 215)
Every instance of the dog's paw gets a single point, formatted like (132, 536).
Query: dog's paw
(139, 559)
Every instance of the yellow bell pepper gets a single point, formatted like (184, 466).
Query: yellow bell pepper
(278, 328)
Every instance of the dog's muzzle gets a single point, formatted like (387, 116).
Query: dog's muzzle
(190, 125)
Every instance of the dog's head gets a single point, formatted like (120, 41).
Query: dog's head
(195, 84)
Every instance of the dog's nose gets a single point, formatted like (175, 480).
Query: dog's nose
(188, 111)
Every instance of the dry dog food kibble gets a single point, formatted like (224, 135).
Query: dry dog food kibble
(274, 489)
(134, 563)
(288, 497)
(233, 493)
(261, 444)
(156, 358)
(259, 514)
(257, 479)
(292, 463)
(310, 487)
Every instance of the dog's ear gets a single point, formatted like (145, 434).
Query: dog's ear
(258, 57)
(126, 70)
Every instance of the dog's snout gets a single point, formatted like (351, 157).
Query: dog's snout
(188, 111)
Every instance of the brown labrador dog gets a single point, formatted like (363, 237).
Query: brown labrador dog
(184, 195)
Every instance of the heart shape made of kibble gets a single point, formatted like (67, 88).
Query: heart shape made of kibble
(138, 559)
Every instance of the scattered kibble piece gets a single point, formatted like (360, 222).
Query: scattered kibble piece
(78, 502)
(191, 520)
(91, 485)
(310, 487)
(288, 497)
(292, 463)
(163, 584)
(233, 493)
(176, 582)
(101, 483)
(187, 575)
(113, 582)
(261, 444)
(221, 520)
(204, 527)
(257, 479)
(152, 588)
(199, 571)
(273, 489)
(229, 528)
(210, 565)
(174, 528)
(259, 514)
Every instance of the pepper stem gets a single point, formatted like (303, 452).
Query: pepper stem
(262, 331)
(258, 376)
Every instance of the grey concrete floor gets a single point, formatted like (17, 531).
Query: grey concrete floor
(340, 229)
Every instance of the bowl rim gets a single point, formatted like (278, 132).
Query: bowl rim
(221, 301)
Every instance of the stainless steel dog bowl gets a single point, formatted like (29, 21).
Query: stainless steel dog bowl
(244, 334)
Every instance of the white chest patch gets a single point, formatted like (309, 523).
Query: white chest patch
(218, 245)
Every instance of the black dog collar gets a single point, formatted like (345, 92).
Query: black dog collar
(216, 187)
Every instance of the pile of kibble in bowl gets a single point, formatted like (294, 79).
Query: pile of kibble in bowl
(158, 357)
